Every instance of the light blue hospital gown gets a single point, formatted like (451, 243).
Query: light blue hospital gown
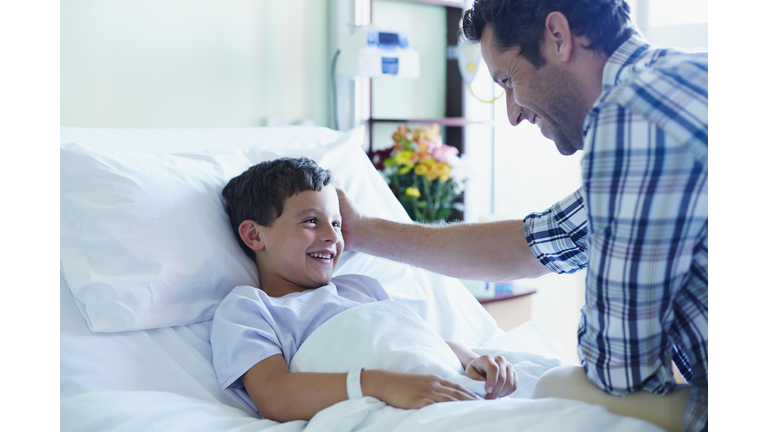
(250, 326)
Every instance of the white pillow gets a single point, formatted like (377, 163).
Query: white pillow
(199, 139)
(145, 240)
(146, 243)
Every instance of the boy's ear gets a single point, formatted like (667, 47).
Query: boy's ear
(250, 233)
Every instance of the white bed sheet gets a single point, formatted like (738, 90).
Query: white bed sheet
(162, 379)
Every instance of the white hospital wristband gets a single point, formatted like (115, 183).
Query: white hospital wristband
(354, 389)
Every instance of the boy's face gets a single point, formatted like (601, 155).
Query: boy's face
(303, 245)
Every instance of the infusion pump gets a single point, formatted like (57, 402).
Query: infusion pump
(374, 52)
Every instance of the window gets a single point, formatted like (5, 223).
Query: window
(675, 23)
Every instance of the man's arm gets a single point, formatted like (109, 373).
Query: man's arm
(491, 251)
(284, 396)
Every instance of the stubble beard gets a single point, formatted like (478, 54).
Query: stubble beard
(561, 102)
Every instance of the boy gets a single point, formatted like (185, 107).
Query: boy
(286, 217)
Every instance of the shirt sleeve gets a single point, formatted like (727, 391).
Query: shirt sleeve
(558, 236)
(646, 195)
(242, 334)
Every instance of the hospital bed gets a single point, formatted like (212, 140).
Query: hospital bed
(147, 254)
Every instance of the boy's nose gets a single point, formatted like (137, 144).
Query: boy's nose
(331, 234)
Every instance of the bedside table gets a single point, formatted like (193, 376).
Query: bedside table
(510, 309)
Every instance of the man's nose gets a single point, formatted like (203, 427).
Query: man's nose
(514, 111)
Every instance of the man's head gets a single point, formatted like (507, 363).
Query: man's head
(286, 217)
(521, 23)
(548, 55)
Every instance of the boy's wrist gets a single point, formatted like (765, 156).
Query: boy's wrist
(463, 353)
(370, 383)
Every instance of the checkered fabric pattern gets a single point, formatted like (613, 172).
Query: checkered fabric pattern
(639, 226)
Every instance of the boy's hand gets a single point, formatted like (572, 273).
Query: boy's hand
(499, 375)
(411, 390)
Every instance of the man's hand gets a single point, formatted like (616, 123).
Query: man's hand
(411, 390)
(350, 219)
(499, 375)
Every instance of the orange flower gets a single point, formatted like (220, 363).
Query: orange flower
(401, 131)
(423, 153)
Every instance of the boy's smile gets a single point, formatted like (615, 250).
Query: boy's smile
(301, 248)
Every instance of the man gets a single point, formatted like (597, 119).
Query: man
(638, 225)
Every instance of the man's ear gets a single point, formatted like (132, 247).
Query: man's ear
(557, 34)
(250, 233)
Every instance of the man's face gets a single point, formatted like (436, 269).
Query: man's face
(547, 97)
(303, 245)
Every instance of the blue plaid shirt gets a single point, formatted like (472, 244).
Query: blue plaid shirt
(638, 226)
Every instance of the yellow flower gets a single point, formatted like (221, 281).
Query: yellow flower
(413, 191)
(443, 170)
(404, 157)
(421, 169)
(432, 173)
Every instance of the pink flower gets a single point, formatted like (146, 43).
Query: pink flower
(444, 153)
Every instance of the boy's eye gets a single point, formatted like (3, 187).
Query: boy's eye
(337, 224)
(311, 220)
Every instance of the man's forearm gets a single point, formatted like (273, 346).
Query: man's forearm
(489, 251)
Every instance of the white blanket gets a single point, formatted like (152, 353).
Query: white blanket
(387, 335)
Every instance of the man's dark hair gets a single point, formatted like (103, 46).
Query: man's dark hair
(259, 193)
(520, 23)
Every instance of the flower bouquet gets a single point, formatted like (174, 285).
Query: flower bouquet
(425, 175)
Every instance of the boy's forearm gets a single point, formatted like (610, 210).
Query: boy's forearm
(299, 396)
(464, 354)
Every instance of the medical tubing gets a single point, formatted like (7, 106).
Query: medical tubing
(484, 101)
(333, 89)
(354, 389)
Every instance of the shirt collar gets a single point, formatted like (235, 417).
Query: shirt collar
(627, 54)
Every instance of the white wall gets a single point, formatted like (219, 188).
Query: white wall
(530, 176)
(423, 97)
(193, 63)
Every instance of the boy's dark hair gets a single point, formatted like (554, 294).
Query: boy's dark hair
(259, 193)
(520, 23)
